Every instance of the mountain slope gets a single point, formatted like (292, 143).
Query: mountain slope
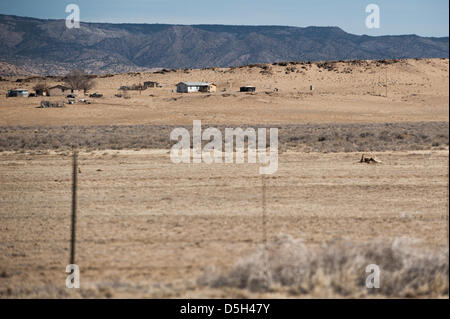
(48, 47)
(7, 69)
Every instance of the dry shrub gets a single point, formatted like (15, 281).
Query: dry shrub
(317, 137)
(338, 269)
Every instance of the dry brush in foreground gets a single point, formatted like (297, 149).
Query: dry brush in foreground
(337, 269)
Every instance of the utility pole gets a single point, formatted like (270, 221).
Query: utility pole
(74, 206)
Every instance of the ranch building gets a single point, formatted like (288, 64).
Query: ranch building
(191, 87)
(58, 90)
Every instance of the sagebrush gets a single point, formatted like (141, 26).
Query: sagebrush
(338, 269)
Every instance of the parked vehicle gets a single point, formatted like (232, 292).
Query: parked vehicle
(84, 101)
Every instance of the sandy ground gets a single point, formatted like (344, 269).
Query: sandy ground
(417, 90)
(149, 228)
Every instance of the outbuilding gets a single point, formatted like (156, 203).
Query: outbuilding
(151, 84)
(17, 93)
(248, 89)
(58, 90)
(191, 87)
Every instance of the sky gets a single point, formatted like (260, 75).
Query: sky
(421, 17)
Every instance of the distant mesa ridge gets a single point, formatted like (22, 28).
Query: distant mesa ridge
(48, 47)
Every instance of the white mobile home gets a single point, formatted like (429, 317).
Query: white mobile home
(190, 87)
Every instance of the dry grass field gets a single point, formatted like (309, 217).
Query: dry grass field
(150, 228)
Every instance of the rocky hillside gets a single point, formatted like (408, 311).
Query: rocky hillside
(7, 69)
(48, 47)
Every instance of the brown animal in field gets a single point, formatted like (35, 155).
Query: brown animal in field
(369, 160)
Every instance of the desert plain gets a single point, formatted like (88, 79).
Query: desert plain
(147, 227)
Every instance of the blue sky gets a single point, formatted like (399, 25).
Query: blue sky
(422, 17)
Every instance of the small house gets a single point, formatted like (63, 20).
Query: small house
(248, 89)
(191, 87)
(151, 84)
(17, 93)
(58, 90)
